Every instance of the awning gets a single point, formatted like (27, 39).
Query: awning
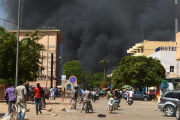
(152, 88)
(59, 86)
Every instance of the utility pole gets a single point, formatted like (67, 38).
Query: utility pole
(17, 55)
(51, 70)
(47, 58)
(22, 12)
(5, 13)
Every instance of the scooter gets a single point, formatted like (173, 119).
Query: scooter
(111, 105)
(130, 101)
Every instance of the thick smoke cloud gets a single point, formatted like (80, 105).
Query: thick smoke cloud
(117, 23)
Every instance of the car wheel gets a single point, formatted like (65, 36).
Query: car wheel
(145, 99)
(177, 114)
(169, 111)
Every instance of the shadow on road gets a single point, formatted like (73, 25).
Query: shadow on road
(120, 109)
(114, 113)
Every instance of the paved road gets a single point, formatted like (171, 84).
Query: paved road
(138, 111)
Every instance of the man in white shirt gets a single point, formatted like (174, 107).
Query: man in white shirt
(93, 95)
(131, 94)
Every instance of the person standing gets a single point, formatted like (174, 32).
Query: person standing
(21, 100)
(52, 93)
(55, 92)
(27, 89)
(10, 97)
(38, 95)
(75, 95)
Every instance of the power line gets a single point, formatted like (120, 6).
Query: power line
(73, 40)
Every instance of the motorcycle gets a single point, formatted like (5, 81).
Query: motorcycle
(130, 101)
(116, 102)
(111, 105)
(88, 106)
(31, 94)
(94, 98)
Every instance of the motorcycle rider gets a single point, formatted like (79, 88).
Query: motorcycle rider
(93, 95)
(127, 92)
(117, 95)
(131, 94)
(86, 97)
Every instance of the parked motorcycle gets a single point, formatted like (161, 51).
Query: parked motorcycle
(31, 94)
(111, 105)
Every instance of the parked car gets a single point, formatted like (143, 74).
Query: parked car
(138, 95)
(168, 102)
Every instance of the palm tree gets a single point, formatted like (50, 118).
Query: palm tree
(104, 62)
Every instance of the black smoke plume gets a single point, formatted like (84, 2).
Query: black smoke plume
(115, 23)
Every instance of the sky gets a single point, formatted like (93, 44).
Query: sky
(1, 14)
(94, 30)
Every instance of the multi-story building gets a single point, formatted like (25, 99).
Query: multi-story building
(147, 48)
(55, 40)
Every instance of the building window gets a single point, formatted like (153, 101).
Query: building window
(171, 68)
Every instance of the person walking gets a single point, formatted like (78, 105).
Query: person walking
(10, 96)
(75, 95)
(21, 100)
(38, 95)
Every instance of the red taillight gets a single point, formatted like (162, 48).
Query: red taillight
(160, 99)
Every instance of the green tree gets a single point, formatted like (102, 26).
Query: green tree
(140, 70)
(73, 68)
(117, 81)
(96, 79)
(104, 63)
(29, 54)
(105, 82)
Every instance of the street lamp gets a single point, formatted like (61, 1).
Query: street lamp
(17, 55)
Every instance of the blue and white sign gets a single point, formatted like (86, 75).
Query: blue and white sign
(166, 48)
(72, 79)
(164, 85)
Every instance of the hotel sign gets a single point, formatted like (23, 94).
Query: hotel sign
(166, 48)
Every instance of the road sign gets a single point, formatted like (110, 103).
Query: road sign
(164, 85)
(72, 79)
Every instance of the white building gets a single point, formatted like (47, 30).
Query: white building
(168, 60)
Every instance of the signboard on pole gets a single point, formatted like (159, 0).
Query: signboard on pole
(63, 77)
(72, 79)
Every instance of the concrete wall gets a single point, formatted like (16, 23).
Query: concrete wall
(178, 46)
(150, 46)
(167, 59)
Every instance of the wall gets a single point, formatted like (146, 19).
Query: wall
(178, 46)
(167, 59)
(150, 46)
